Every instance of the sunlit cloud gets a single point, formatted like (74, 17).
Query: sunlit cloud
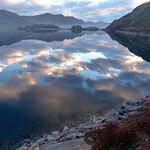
(136, 3)
(94, 10)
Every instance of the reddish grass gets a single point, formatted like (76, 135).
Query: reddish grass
(126, 135)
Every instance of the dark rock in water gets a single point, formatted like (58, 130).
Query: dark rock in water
(76, 29)
(79, 29)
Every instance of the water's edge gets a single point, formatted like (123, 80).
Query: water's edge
(120, 113)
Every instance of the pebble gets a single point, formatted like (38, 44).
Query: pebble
(65, 129)
(55, 133)
(23, 148)
(50, 138)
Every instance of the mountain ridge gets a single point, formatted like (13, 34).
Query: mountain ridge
(136, 21)
(9, 19)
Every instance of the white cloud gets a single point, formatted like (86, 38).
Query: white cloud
(94, 10)
(14, 2)
(135, 3)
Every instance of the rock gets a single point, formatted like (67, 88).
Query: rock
(35, 145)
(110, 119)
(82, 147)
(89, 140)
(80, 134)
(122, 117)
(70, 136)
(41, 141)
(95, 120)
(65, 129)
(27, 141)
(55, 133)
(45, 135)
(132, 102)
(131, 108)
(139, 148)
(63, 134)
(103, 121)
(36, 148)
(50, 138)
(112, 113)
(121, 113)
(23, 148)
(123, 105)
(72, 130)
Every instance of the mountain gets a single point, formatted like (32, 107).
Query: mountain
(136, 21)
(99, 24)
(9, 20)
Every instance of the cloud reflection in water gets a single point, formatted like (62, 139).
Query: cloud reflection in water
(68, 80)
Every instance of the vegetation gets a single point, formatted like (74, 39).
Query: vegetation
(39, 27)
(137, 20)
(127, 135)
(79, 29)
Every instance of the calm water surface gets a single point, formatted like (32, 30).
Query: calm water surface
(48, 80)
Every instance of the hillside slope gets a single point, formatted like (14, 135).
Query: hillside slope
(136, 21)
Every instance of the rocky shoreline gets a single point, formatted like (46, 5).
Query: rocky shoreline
(135, 34)
(122, 112)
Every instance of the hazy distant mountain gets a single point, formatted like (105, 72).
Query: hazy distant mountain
(99, 24)
(13, 20)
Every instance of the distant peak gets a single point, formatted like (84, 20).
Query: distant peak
(3, 10)
(7, 12)
(47, 14)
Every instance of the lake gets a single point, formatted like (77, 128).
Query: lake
(48, 80)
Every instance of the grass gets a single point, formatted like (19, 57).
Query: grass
(126, 135)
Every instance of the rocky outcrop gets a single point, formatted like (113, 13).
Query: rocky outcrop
(57, 139)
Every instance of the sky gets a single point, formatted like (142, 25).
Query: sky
(89, 10)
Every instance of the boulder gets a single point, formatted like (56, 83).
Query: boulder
(132, 102)
(65, 129)
(55, 133)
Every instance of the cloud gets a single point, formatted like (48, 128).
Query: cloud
(97, 10)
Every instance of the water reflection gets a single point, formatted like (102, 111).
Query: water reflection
(45, 85)
(138, 46)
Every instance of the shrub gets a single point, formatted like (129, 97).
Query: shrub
(111, 137)
(125, 135)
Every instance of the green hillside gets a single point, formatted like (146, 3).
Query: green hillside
(137, 20)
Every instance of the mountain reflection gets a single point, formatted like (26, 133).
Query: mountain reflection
(46, 85)
(138, 46)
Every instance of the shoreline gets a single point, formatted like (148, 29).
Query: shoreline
(141, 34)
(121, 112)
